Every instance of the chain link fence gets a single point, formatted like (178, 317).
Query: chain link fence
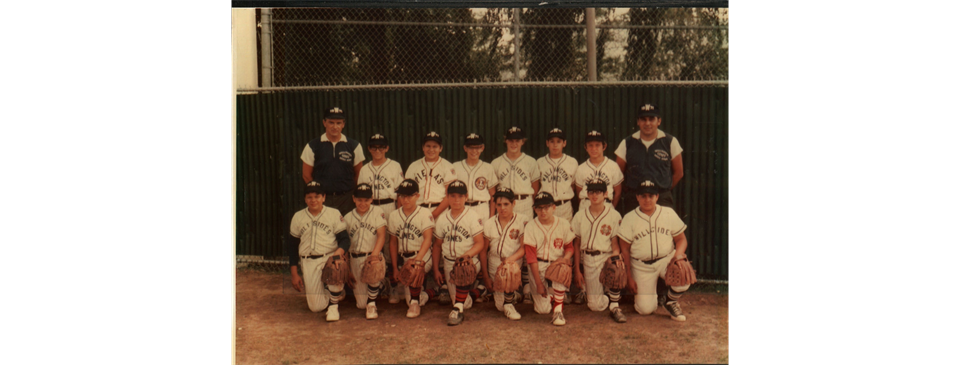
(303, 48)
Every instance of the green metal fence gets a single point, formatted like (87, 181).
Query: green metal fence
(273, 128)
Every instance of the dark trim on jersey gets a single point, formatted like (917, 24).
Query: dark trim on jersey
(453, 227)
(406, 219)
(555, 168)
(501, 230)
(471, 184)
(376, 175)
(593, 224)
(546, 235)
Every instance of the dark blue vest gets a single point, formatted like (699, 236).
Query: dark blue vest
(654, 162)
(334, 168)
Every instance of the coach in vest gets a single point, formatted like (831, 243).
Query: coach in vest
(649, 152)
(334, 161)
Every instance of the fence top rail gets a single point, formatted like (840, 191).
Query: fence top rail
(491, 25)
(488, 85)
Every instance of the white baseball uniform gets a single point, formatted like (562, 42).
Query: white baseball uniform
(651, 247)
(595, 234)
(557, 178)
(363, 239)
(505, 240)
(518, 175)
(549, 242)
(317, 234)
(608, 171)
(409, 232)
(432, 178)
(457, 234)
(479, 178)
(384, 179)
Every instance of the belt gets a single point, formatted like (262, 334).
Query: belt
(316, 256)
(473, 204)
(339, 192)
(382, 201)
(559, 202)
(592, 253)
(428, 205)
(650, 262)
(445, 258)
(356, 255)
(523, 196)
(542, 260)
(408, 255)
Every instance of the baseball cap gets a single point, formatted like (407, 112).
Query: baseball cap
(474, 139)
(543, 198)
(431, 136)
(515, 133)
(334, 113)
(408, 187)
(595, 136)
(378, 140)
(557, 132)
(504, 192)
(648, 186)
(457, 187)
(313, 187)
(597, 185)
(363, 190)
(648, 110)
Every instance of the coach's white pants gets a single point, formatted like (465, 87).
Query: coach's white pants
(596, 299)
(542, 305)
(645, 302)
(318, 297)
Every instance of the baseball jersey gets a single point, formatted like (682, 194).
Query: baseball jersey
(384, 178)
(549, 240)
(409, 228)
(363, 229)
(333, 162)
(431, 177)
(457, 233)
(479, 179)
(608, 171)
(556, 176)
(505, 238)
(517, 175)
(651, 237)
(317, 234)
(595, 232)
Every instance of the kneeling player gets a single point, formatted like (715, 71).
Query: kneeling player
(410, 228)
(503, 237)
(596, 229)
(547, 239)
(457, 236)
(367, 229)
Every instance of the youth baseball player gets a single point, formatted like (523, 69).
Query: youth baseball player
(547, 239)
(518, 171)
(479, 176)
(458, 234)
(411, 230)
(368, 230)
(653, 235)
(596, 230)
(557, 173)
(384, 175)
(334, 161)
(432, 173)
(316, 233)
(649, 152)
(503, 237)
(600, 167)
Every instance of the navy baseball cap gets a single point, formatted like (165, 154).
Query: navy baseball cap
(597, 185)
(363, 190)
(457, 187)
(474, 139)
(594, 136)
(504, 192)
(515, 133)
(334, 113)
(313, 187)
(557, 132)
(648, 110)
(543, 198)
(649, 187)
(432, 136)
(408, 187)
(378, 140)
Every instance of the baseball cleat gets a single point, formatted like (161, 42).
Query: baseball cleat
(580, 298)
(371, 311)
(456, 317)
(333, 314)
(617, 315)
(511, 312)
(558, 319)
(675, 313)
(414, 310)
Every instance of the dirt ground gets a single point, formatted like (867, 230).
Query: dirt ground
(274, 326)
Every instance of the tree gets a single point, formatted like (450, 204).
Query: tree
(681, 44)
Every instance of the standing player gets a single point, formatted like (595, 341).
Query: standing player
(653, 235)
(518, 171)
(547, 239)
(649, 152)
(479, 176)
(315, 234)
(410, 228)
(596, 229)
(368, 230)
(432, 173)
(334, 161)
(557, 172)
(503, 237)
(457, 236)
(598, 167)
(384, 175)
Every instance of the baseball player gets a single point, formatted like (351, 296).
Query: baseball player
(653, 236)
(432, 173)
(334, 161)
(479, 176)
(547, 239)
(316, 233)
(600, 167)
(557, 172)
(596, 230)
(368, 230)
(518, 171)
(503, 237)
(458, 234)
(649, 152)
(383, 174)
(410, 228)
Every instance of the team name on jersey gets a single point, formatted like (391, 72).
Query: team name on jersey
(364, 225)
(456, 234)
(644, 233)
(322, 226)
(409, 232)
(599, 175)
(555, 175)
(514, 169)
(422, 176)
(381, 183)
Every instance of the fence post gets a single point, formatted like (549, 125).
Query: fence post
(266, 46)
(516, 44)
(591, 44)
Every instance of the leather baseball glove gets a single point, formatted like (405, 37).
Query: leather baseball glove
(336, 271)
(613, 275)
(464, 273)
(374, 268)
(507, 278)
(559, 271)
(412, 273)
(680, 273)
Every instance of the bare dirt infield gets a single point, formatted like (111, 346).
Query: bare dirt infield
(274, 326)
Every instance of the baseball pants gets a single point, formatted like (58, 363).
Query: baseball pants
(564, 211)
(542, 305)
(360, 289)
(493, 263)
(318, 297)
(645, 302)
(447, 269)
(482, 210)
(596, 299)
(427, 267)
(524, 207)
(387, 209)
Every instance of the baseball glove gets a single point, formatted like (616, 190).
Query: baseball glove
(559, 271)
(335, 271)
(463, 273)
(412, 273)
(680, 273)
(374, 268)
(507, 278)
(613, 275)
